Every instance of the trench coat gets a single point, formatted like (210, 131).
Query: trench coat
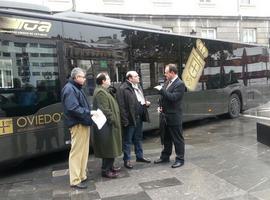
(107, 142)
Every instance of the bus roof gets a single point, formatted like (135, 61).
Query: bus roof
(109, 20)
(24, 6)
(25, 9)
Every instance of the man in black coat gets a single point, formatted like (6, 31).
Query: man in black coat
(171, 110)
(133, 112)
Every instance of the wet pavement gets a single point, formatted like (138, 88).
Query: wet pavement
(224, 161)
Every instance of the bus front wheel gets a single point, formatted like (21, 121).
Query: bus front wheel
(234, 106)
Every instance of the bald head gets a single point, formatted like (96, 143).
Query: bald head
(133, 77)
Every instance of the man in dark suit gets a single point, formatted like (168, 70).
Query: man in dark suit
(171, 109)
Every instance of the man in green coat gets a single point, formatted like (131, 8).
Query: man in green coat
(107, 141)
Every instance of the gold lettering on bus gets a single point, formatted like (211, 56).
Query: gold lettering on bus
(194, 66)
(30, 120)
(21, 25)
(21, 122)
(48, 118)
(38, 120)
(56, 117)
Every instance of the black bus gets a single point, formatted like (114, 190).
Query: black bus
(38, 51)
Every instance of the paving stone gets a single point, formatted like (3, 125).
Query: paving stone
(136, 196)
(160, 183)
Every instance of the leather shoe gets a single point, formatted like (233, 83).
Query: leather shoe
(177, 164)
(158, 161)
(145, 160)
(85, 180)
(128, 164)
(115, 169)
(79, 186)
(110, 174)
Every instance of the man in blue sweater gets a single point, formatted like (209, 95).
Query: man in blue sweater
(77, 117)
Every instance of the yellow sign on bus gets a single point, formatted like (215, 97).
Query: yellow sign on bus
(6, 126)
(195, 64)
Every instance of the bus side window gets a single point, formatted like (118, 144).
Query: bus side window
(27, 96)
(90, 84)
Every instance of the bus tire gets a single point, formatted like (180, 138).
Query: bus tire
(234, 107)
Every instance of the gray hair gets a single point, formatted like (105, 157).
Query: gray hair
(75, 71)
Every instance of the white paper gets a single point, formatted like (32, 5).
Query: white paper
(99, 118)
(93, 112)
(158, 87)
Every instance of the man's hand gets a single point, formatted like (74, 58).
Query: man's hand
(158, 87)
(159, 109)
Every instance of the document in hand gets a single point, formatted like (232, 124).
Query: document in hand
(158, 87)
(99, 118)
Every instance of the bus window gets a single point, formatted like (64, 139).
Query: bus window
(96, 49)
(29, 76)
(150, 52)
(160, 72)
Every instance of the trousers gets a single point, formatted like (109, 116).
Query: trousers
(173, 135)
(107, 164)
(133, 135)
(78, 155)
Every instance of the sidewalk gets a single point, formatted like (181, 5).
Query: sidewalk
(224, 161)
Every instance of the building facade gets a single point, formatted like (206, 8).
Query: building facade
(237, 20)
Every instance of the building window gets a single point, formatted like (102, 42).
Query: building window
(6, 78)
(113, 2)
(249, 35)
(168, 29)
(205, 1)
(33, 45)
(245, 2)
(5, 43)
(5, 54)
(162, 3)
(35, 73)
(209, 33)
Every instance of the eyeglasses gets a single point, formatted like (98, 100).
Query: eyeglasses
(81, 77)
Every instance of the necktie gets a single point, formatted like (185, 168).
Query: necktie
(170, 82)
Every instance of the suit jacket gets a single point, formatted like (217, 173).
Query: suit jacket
(171, 102)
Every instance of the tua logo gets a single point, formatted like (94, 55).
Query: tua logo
(24, 25)
(34, 25)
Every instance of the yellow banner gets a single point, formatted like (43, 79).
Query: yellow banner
(194, 66)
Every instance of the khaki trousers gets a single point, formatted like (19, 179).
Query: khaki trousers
(78, 155)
